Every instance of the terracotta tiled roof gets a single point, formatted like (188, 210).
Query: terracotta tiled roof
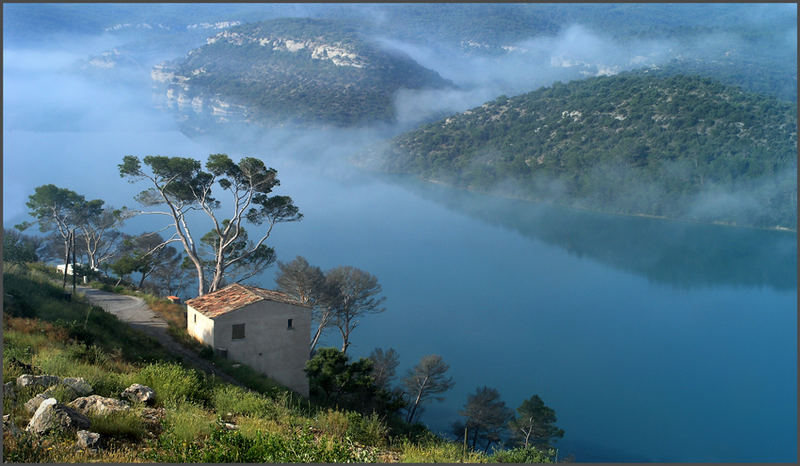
(234, 297)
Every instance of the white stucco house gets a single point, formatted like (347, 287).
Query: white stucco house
(267, 330)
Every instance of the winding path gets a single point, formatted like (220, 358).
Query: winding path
(134, 312)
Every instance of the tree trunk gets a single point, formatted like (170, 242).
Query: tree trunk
(413, 409)
(315, 340)
(66, 260)
(74, 275)
(201, 278)
(474, 438)
(345, 331)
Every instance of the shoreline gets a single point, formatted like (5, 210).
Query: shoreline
(496, 195)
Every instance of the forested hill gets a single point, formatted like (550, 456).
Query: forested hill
(678, 147)
(293, 70)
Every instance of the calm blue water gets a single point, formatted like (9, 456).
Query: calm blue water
(652, 340)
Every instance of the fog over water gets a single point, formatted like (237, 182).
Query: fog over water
(652, 340)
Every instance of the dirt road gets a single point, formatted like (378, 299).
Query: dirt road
(135, 313)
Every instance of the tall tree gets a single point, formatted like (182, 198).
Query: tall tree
(258, 259)
(425, 382)
(486, 417)
(99, 234)
(146, 253)
(55, 209)
(182, 186)
(384, 365)
(534, 424)
(169, 277)
(355, 295)
(307, 284)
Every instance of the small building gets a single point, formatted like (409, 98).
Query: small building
(267, 330)
(60, 268)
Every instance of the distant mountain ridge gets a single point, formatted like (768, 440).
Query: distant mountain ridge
(677, 147)
(292, 71)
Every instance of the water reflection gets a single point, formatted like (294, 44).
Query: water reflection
(684, 255)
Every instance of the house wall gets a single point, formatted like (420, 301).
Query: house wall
(203, 329)
(269, 346)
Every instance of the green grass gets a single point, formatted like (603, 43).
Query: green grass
(174, 384)
(272, 423)
(126, 425)
(189, 424)
(239, 401)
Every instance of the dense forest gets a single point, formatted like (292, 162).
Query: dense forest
(327, 74)
(634, 143)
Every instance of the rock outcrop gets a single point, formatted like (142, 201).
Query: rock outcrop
(9, 391)
(78, 384)
(96, 404)
(11, 427)
(88, 440)
(51, 416)
(139, 393)
(45, 381)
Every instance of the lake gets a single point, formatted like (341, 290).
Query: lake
(652, 340)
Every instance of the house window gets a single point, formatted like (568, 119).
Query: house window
(290, 324)
(237, 332)
(195, 318)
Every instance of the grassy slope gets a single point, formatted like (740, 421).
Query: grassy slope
(187, 424)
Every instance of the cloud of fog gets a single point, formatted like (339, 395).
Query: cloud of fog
(575, 52)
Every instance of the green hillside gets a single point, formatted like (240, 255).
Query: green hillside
(300, 71)
(678, 147)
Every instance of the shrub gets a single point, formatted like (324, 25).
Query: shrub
(369, 430)
(27, 449)
(232, 399)
(440, 451)
(62, 393)
(206, 352)
(121, 425)
(174, 384)
(333, 423)
(251, 426)
(523, 455)
(233, 447)
(189, 423)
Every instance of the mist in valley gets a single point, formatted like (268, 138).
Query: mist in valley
(564, 283)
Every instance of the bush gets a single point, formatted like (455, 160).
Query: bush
(333, 423)
(189, 423)
(120, 425)
(239, 401)
(523, 455)
(264, 447)
(174, 384)
(369, 430)
(62, 393)
(206, 352)
(439, 451)
(27, 449)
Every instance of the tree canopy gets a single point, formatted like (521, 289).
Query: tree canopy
(425, 382)
(181, 186)
(307, 284)
(486, 416)
(534, 424)
(355, 295)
